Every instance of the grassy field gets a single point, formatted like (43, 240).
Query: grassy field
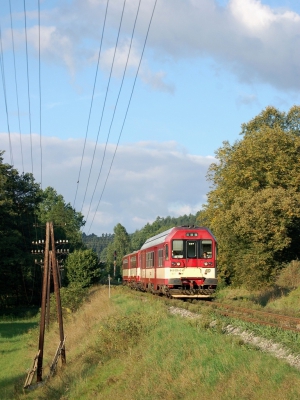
(131, 347)
(16, 348)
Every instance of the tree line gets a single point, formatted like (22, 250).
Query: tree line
(253, 209)
(121, 242)
(254, 205)
(24, 210)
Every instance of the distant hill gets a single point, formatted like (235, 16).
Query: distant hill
(138, 238)
(159, 225)
(97, 243)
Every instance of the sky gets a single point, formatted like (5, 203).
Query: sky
(120, 105)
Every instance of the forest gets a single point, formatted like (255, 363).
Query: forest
(253, 209)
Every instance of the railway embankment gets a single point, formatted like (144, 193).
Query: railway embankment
(130, 346)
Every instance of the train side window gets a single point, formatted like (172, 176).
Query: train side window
(160, 257)
(167, 252)
(150, 259)
(133, 262)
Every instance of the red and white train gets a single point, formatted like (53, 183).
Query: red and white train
(180, 262)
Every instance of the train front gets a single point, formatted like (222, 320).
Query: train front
(193, 263)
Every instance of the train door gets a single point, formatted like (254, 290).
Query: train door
(143, 268)
(155, 268)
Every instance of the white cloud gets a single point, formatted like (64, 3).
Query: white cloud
(257, 17)
(178, 209)
(147, 178)
(252, 14)
(120, 58)
(252, 39)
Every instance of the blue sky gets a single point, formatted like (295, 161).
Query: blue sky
(208, 66)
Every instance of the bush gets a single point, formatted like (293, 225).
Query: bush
(289, 277)
(83, 268)
(72, 297)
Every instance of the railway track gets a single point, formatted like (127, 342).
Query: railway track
(266, 318)
(256, 316)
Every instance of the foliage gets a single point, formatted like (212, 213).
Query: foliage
(82, 268)
(67, 221)
(253, 207)
(19, 199)
(289, 277)
(72, 297)
(24, 210)
(97, 243)
(116, 250)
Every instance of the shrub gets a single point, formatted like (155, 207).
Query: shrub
(289, 277)
(72, 297)
(82, 268)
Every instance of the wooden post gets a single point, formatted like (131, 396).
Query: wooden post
(43, 307)
(55, 273)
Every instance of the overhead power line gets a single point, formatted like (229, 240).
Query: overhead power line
(40, 90)
(147, 34)
(5, 98)
(89, 117)
(16, 84)
(28, 85)
(104, 103)
(121, 86)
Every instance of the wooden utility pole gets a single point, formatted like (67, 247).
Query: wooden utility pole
(46, 275)
(50, 265)
(55, 272)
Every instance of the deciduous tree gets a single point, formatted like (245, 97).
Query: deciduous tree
(67, 221)
(120, 245)
(19, 198)
(253, 205)
(82, 268)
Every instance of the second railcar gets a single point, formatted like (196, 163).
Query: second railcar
(180, 262)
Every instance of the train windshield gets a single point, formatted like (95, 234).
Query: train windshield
(178, 248)
(205, 248)
(192, 248)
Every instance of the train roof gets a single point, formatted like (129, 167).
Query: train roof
(160, 238)
(132, 253)
(157, 239)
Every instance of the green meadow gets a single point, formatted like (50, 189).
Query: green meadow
(129, 346)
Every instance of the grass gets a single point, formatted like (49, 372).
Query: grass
(281, 297)
(130, 347)
(15, 342)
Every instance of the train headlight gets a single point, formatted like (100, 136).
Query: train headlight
(176, 264)
(207, 271)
